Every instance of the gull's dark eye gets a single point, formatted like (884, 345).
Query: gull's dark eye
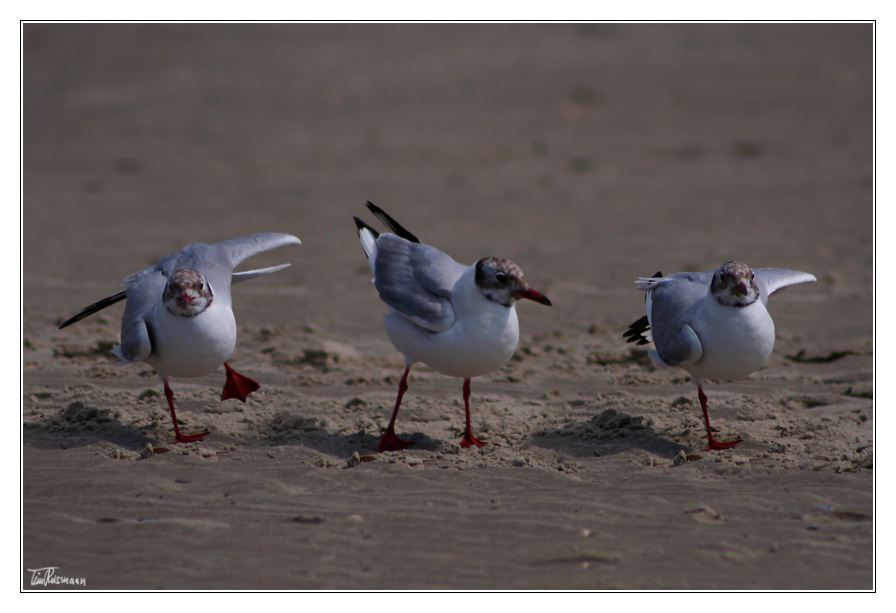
(500, 277)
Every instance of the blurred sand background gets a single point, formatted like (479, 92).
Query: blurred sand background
(590, 154)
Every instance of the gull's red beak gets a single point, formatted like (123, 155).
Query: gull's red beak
(531, 294)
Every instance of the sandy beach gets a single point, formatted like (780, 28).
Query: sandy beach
(590, 155)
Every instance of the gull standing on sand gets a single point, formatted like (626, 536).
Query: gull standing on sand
(714, 325)
(179, 318)
(459, 320)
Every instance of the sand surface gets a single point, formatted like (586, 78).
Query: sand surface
(588, 154)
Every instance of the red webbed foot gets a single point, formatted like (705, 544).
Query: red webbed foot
(469, 440)
(715, 445)
(237, 386)
(391, 442)
(190, 438)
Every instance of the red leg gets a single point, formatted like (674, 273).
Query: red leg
(468, 438)
(713, 443)
(178, 437)
(389, 440)
(237, 386)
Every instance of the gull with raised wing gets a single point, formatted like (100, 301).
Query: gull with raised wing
(712, 324)
(459, 320)
(178, 317)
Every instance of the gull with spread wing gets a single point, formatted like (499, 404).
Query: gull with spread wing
(712, 324)
(178, 317)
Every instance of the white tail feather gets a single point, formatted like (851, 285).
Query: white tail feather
(368, 243)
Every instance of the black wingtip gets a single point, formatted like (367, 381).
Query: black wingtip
(636, 331)
(364, 226)
(396, 227)
(95, 307)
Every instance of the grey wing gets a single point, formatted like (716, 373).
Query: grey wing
(217, 261)
(143, 293)
(770, 280)
(245, 247)
(416, 280)
(671, 303)
(136, 284)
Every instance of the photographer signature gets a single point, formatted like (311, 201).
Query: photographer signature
(47, 576)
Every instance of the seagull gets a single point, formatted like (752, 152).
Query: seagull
(459, 320)
(712, 324)
(178, 317)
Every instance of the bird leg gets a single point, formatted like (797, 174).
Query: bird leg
(468, 438)
(389, 440)
(178, 437)
(714, 445)
(237, 386)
